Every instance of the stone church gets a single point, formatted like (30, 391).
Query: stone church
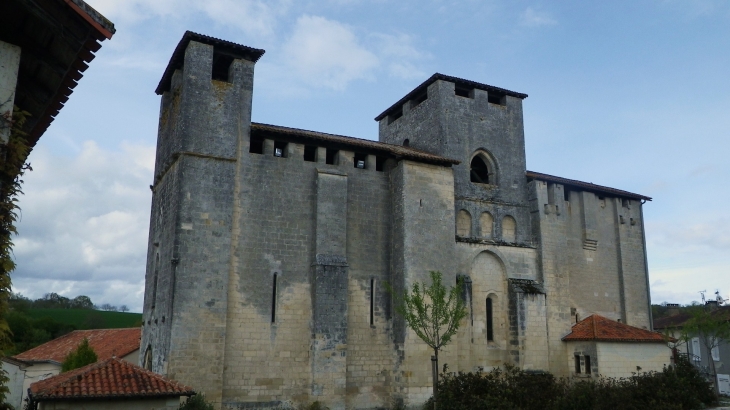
(270, 247)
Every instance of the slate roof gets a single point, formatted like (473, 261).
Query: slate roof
(397, 151)
(600, 329)
(110, 378)
(587, 186)
(456, 80)
(105, 342)
(224, 46)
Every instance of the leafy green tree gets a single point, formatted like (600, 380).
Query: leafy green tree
(80, 357)
(434, 313)
(712, 327)
(82, 302)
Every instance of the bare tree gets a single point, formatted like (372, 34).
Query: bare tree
(123, 308)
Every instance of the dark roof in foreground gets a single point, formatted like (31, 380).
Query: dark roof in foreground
(105, 342)
(600, 329)
(587, 186)
(397, 151)
(178, 56)
(111, 378)
(455, 80)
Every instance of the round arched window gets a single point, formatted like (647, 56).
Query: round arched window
(480, 171)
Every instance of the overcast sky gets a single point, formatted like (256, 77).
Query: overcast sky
(630, 94)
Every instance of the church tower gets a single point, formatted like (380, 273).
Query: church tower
(480, 126)
(205, 117)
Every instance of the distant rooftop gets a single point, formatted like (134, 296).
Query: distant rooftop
(600, 329)
(456, 80)
(105, 342)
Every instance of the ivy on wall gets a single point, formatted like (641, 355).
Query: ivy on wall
(12, 168)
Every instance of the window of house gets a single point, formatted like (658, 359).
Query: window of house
(577, 364)
(587, 360)
(696, 348)
(464, 91)
(360, 160)
(221, 65)
(372, 301)
(379, 163)
(463, 223)
(715, 353)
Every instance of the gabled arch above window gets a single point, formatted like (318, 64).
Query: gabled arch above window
(482, 169)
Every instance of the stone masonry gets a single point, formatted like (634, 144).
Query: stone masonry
(271, 249)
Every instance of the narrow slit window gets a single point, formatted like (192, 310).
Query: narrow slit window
(273, 299)
(280, 149)
(310, 153)
(331, 156)
(490, 320)
(360, 160)
(372, 301)
(154, 283)
(588, 364)
(221, 65)
(256, 145)
(379, 164)
(406, 142)
(577, 364)
(566, 194)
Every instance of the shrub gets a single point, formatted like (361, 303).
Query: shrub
(680, 387)
(196, 402)
(80, 357)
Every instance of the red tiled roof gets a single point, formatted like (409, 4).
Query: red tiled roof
(110, 378)
(105, 342)
(599, 328)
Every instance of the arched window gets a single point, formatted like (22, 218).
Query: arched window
(490, 319)
(406, 142)
(148, 358)
(508, 229)
(463, 223)
(481, 169)
(486, 224)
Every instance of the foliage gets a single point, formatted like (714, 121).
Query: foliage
(12, 168)
(678, 387)
(83, 355)
(433, 312)
(712, 327)
(196, 402)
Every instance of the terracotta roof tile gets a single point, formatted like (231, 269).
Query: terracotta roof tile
(110, 378)
(599, 328)
(105, 342)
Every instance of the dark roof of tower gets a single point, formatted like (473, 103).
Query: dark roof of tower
(178, 56)
(586, 186)
(344, 142)
(455, 80)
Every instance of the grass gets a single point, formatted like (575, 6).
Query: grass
(89, 319)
